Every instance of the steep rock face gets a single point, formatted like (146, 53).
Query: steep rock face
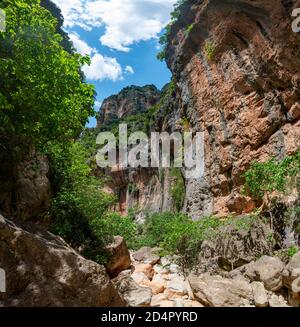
(25, 186)
(42, 270)
(237, 69)
(141, 189)
(131, 100)
(144, 189)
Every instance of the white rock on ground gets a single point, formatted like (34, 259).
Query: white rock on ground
(216, 291)
(267, 270)
(146, 255)
(134, 294)
(259, 294)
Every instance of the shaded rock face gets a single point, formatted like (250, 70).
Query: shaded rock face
(237, 74)
(119, 257)
(25, 187)
(131, 100)
(42, 270)
(145, 189)
(236, 244)
(141, 188)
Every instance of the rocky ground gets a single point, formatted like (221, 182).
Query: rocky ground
(159, 282)
(38, 263)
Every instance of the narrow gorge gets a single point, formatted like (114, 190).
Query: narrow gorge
(149, 237)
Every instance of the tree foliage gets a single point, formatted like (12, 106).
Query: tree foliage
(42, 94)
(273, 175)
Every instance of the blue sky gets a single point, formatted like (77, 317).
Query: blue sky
(121, 37)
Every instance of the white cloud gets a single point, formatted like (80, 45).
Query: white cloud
(126, 21)
(101, 67)
(129, 70)
(82, 47)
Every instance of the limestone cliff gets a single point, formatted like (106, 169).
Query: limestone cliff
(237, 70)
(131, 100)
(236, 74)
(141, 189)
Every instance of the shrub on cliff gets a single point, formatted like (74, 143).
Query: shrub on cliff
(177, 188)
(164, 39)
(280, 176)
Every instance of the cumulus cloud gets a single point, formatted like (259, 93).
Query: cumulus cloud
(126, 21)
(82, 47)
(101, 67)
(129, 70)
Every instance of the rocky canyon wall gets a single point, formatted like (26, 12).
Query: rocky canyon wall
(236, 66)
(236, 77)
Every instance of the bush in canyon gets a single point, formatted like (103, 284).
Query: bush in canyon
(79, 208)
(177, 233)
(262, 179)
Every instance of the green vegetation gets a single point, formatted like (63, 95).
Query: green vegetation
(209, 49)
(177, 234)
(292, 251)
(79, 209)
(42, 95)
(164, 39)
(132, 188)
(268, 177)
(178, 188)
(189, 29)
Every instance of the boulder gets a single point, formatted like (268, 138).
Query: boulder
(157, 299)
(292, 270)
(134, 294)
(291, 279)
(146, 255)
(157, 287)
(159, 269)
(235, 245)
(267, 270)
(276, 301)
(216, 291)
(166, 261)
(42, 271)
(177, 285)
(141, 279)
(147, 269)
(119, 257)
(174, 268)
(259, 294)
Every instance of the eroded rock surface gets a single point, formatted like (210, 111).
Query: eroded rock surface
(119, 257)
(42, 270)
(237, 76)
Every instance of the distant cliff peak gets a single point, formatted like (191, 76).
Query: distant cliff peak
(129, 101)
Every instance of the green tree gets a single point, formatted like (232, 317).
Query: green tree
(42, 94)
